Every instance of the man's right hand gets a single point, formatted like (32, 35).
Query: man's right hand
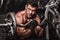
(23, 33)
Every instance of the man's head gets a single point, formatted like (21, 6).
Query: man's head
(31, 7)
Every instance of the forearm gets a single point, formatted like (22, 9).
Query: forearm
(22, 32)
(27, 32)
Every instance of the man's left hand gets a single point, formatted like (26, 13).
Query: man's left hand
(39, 31)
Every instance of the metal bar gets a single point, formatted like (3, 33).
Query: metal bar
(53, 4)
(47, 32)
(1, 3)
(5, 24)
(46, 17)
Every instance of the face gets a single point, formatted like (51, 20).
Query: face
(30, 11)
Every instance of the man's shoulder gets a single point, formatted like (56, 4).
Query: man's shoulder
(20, 12)
(37, 17)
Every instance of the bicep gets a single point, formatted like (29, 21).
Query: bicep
(18, 19)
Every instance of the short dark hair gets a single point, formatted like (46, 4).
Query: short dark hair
(33, 3)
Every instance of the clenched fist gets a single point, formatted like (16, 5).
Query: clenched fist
(39, 31)
(23, 33)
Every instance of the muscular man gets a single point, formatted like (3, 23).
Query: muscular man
(22, 17)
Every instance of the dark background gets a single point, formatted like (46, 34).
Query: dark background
(18, 5)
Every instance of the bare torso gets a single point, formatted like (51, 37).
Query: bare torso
(21, 18)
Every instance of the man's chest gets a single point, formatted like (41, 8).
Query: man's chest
(25, 19)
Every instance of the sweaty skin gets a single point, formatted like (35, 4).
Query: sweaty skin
(22, 18)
